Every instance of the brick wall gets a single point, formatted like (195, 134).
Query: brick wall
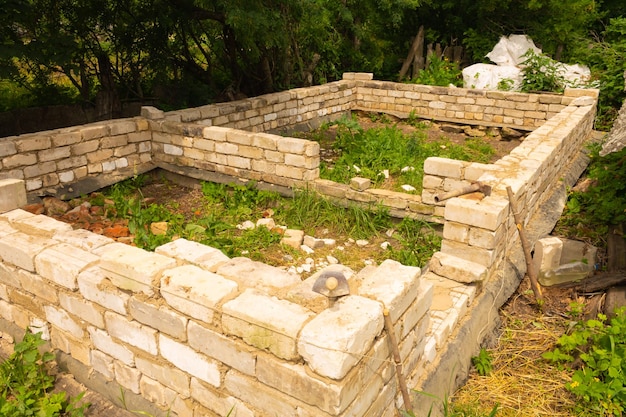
(195, 332)
(187, 327)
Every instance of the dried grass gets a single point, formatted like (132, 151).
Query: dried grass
(521, 382)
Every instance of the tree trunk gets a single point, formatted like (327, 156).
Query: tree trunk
(108, 105)
(616, 248)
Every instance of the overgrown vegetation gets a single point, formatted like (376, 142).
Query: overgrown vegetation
(595, 352)
(589, 213)
(26, 384)
(440, 71)
(372, 152)
(218, 222)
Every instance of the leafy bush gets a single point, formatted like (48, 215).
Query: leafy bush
(482, 362)
(26, 385)
(541, 73)
(600, 382)
(440, 71)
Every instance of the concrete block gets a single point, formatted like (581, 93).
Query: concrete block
(229, 351)
(94, 286)
(105, 343)
(394, 285)
(133, 269)
(159, 317)
(265, 322)
(21, 249)
(457, 269)
(131, 332)
(12, 194)
(62, 264)
(168, 376)
(202, 255)
(195, 291)
(190, 361)
(253, 274)
(335, 340)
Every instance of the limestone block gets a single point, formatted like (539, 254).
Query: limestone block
(63, 321)
(229, 351)
(159, 317)
(105, 343)
(265, 322)
(190, 361)
(252, 274)
(486, 239)
(457, 269)
(103, 363)
(62, 263)
(131, 332)
(94, 286)
(7, 147)
(418, 309)
(131, 268)
(393, 284)
(150, 112)
(456, 231)
(293, 238)
(122, 126)
(195, 291)
(488, 213)
(21, 249)
(12, 194)
(170, 377)
(336, 339)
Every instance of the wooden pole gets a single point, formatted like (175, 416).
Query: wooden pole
(398, 361)
(530, 270)
(419, 38)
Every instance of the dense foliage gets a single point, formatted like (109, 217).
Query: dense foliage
(190, 52)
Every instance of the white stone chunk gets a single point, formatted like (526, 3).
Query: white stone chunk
(253, 274)
(457, 269)
(488, 213)
(193, 252)
(21, 249)
(12, 194)
(190, 361)
(83, 239)
(334, 341)
(63, 263)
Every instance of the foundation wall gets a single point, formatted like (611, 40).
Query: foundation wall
(191, 330)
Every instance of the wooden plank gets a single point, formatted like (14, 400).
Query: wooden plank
(412, 52)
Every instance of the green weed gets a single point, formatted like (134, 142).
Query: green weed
(482, 362)
(599, 346)
(26, 385)
(418, 241)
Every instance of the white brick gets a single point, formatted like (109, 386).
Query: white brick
(131, 268)
(334, 341)
(265, 322)
(228, 351)
(190, 361)
(487, 214)
(159, 317)
(102, 341)
(196, 253)
(82, 239)
(418, 309)
(41, 225)
(63, 321)
(394, 285)
(38, 286)
(62, 264)
(12, 194)
(85, 310)
(21, 249)
(127, 377)
(131, 332)
(94, 287)
(254, 274)
(457, 269)
(170, 377)
(194, 291)
(102, 363)
(156, 393)
(443, 167)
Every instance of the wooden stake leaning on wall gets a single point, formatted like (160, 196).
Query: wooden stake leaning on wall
(398, 361)
(530, 271)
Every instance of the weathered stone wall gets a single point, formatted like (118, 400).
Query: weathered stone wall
(198, 333)
(259, 339)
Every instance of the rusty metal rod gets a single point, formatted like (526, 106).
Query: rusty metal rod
(477, 186)
(398, 361)
(530, 270)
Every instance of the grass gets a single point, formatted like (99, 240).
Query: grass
(369, 153)
(218, 214)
